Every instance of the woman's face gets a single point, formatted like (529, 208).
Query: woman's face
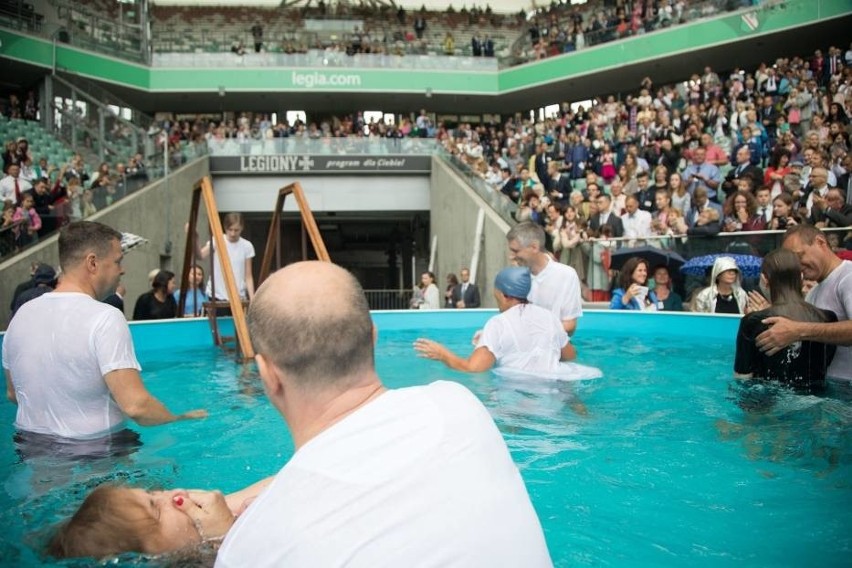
(740, 202)
(170, 287)
(174, 528)
(783, 161)
(661, 200)
(196, 276)
(675, 181)
(571, 214)
(425, 279)
(780, 209)
(661, 276)
(640, 274)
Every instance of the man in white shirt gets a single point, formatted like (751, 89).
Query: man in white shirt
(555, 286)
(833, 292)
(637, 222)
(402, 477)
(84, 386)
(13, 186)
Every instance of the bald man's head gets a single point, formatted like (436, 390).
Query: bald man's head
(312, 321)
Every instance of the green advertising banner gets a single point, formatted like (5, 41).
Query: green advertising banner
(770, 16)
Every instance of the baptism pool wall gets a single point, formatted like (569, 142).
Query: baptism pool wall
(191, 333)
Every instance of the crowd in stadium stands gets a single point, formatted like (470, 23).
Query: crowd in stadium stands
(561, 27)
(39, 197)
(748, 151)
(763, 149)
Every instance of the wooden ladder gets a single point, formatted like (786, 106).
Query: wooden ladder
(203, 189)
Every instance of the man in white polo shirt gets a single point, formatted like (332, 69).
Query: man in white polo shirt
(555, 286)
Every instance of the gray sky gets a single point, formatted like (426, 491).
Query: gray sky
(496, 5)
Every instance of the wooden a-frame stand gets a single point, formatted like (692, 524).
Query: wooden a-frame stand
(308, 222)
(204, 190)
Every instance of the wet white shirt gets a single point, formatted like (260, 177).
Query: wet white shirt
(526, 338)
(557, 289)
(58, 348)
(418, 477)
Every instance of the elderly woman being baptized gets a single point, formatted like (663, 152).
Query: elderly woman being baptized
(115, 519)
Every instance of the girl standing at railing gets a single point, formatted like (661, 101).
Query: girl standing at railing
(27, 232)
(598, 248)
(681, 199)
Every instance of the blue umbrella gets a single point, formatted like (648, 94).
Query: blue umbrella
(749, 265)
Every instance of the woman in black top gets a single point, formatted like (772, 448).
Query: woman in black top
(159, 302)
(802, 365)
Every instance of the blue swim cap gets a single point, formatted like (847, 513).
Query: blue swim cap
(514, 281)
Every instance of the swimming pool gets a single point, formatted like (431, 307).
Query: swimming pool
(655, 464)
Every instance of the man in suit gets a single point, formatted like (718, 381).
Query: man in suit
(466, 293)
(605, 217)
(831, 210)
(541, 161)
(844, 181)
(744, 169)
(560, 184)
(700, 202)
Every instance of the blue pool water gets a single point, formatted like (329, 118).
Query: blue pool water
(655, 464)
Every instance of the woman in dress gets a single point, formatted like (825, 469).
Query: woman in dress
(431, 295)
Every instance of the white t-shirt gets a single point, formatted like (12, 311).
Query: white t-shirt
(835, 294)
(418, 477)
(525, 337)
(58, 348)
(557, 288)
(238, 253)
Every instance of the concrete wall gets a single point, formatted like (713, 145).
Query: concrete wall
(252, 193)
(455, 207)
(158, 212)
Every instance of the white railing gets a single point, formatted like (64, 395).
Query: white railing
(389, 299)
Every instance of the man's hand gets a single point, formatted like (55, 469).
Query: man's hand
(781, 333)
(193, 414)
(208, 510)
